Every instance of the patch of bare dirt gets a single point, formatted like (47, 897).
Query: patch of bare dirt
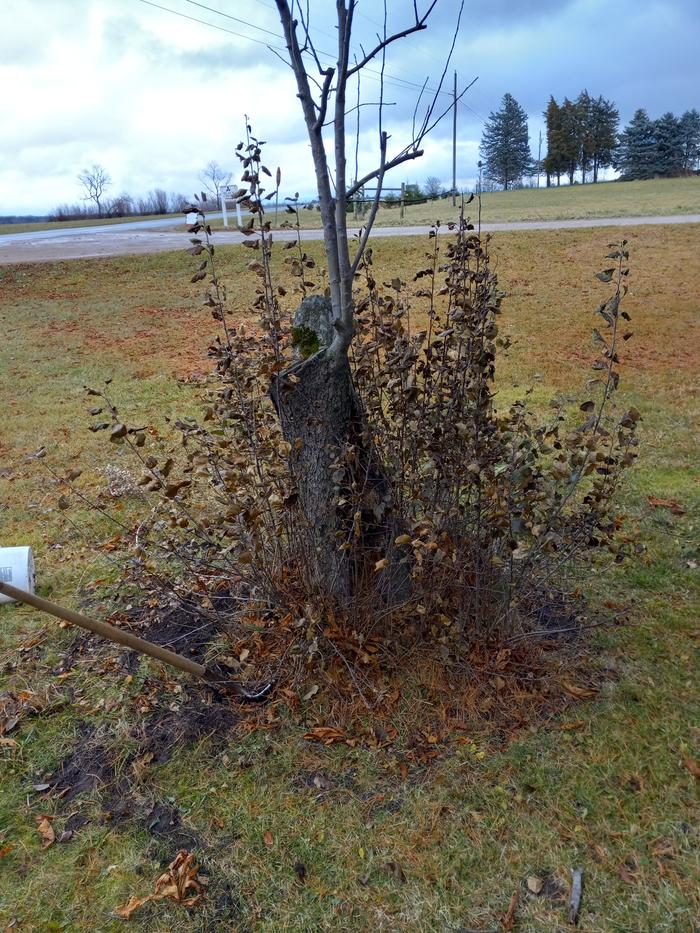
(97, 764)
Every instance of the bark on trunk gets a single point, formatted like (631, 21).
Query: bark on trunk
(321, 415)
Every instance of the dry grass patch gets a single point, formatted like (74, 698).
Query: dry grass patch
(436, 827)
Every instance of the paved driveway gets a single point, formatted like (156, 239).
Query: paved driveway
(144, 237)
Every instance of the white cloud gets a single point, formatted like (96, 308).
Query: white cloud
(154, 96)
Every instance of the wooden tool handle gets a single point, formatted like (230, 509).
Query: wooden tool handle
(106, 631)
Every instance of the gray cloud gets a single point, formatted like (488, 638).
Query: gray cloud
(154, 97)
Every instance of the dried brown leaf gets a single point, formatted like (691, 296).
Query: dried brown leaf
(675, 508)
(691, 765)
(180, 882)
(45, 829)
(580, 693)
(534, 884)
(326, 734)
(508, 919)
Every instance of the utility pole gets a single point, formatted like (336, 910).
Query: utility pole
(454, 143)
(539, 160)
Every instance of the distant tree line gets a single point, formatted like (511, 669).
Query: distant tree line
(658, 148)
(95, 181)
(157, 201)
(582, 137)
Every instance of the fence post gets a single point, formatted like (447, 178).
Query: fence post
(402, 202)
(224, 192)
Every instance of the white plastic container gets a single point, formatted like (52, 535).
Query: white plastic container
(17, 568)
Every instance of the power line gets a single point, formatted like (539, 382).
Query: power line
(194, 19)
(376, 75)
(476, 113)
(235, 19)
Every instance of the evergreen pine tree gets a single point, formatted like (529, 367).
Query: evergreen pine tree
(505, 144)
(603, 133)
(689, 133)
(570, 137)
(554, 160)
(584, 132)
(636, 153)
(668, 154)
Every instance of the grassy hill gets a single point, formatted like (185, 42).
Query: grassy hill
(658, 197)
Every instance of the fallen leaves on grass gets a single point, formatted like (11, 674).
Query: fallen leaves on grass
(507, 921)
(691, 765)
(395, 870)
(328, 735)
(578, 692)
(15, 707)
(45, 830)
(535, 884)
(180, 883)
(675, 508)
(9, 714)
(629, 869)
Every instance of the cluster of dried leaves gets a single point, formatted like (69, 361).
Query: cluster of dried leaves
(490, 506)
(493, 502)
(180, 883)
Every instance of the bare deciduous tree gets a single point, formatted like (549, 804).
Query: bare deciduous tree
(316, 400)
(433, 186)
(95, 181)
(214, 178)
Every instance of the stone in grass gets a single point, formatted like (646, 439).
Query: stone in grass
(312, 328)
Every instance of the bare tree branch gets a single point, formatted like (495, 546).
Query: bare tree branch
(325, 92)
(333, 189)
(364, 237)
(397, 160)
(419, 25)
(323, 182)
(343, 320)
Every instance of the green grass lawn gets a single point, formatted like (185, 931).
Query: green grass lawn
(659, 197)
(598, 783)
(606, 199)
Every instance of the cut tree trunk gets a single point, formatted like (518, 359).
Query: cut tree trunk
(321, 418)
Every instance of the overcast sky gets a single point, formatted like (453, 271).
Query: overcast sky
(153, 96)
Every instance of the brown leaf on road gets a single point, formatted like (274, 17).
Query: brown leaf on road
(180, 883)
(45, 829)
(507, 921)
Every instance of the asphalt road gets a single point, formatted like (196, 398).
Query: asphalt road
(142, 236)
